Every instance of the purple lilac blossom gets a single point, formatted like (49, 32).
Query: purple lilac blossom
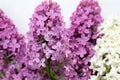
(12, 49)
(82, 34)
(47, 42)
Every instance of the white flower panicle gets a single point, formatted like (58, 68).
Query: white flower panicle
(105, 64)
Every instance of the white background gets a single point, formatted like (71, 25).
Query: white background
(21, 10)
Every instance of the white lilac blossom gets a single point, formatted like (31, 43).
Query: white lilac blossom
(12, 49)
(105, 64)
(83, 35)
(47, 42)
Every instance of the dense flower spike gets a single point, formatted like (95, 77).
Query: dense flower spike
(106, 62)
(83, 34)
(12, 49)
(47, 42)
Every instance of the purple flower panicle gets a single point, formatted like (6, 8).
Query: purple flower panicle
(47, 42)
(12, 49)
(83, 34)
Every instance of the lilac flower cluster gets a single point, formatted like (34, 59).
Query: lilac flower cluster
(12, 49)
(83, 34)
(47, 43)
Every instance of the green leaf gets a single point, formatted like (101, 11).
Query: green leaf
(8, 59)
(108, 68)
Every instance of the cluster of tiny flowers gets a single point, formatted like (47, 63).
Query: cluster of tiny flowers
(106, 62)
(47, 42)
(12, 49)
(83, 34)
